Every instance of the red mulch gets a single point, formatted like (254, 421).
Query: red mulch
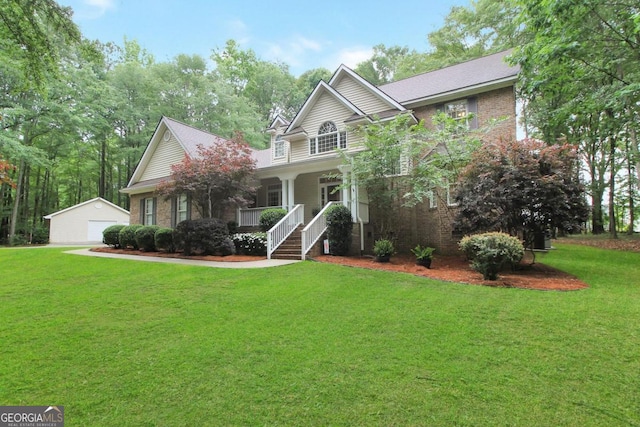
(456, 269)
(451, 268)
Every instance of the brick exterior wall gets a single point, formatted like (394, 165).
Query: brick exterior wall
(163, 210)
(434, 226)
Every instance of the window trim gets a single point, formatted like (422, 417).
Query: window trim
(324, 139)
(274, 189)
(146, 204)
(279, 148)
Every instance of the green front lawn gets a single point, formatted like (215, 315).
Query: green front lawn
(130, 343)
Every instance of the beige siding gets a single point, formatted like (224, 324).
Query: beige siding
(360, 96)
(166, 154)
(307, 192)
(327, 108)
(72, 226)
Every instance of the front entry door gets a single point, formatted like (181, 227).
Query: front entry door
(330, 191)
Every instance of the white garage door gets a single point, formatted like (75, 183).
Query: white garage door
(95, 229)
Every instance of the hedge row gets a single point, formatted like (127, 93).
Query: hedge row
(201, 236)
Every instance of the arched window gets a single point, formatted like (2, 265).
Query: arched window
(328, 139)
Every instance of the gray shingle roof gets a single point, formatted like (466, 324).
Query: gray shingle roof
(191, 137)
(477, 72)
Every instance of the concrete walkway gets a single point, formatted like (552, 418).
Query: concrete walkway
(219, 264)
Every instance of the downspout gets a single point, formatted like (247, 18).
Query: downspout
(360, 221)
(356, 201)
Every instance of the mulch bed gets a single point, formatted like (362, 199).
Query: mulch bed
(456, 269)
(448, 268)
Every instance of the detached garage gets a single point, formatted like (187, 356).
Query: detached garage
(85, 222)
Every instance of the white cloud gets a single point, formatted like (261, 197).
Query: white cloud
(90, 9)
(100, 7)
(238, 31)
(294, 52)
(351, 56)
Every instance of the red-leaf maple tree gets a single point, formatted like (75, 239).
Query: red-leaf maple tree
(220, 177)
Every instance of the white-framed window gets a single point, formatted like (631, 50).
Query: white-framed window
(274, 195)
(328, 139)
(451, 194)
(457, 110)
(279, 148)
(433, 199)
(182, 208)
(149, 211)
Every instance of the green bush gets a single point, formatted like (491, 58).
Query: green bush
(146, 237)
(111, 235)
(490, 252)
(383, 249)
(127, 236)
(40, 235)
(339, 229)
(270, 217)
(250, 243)
(164, 239)
(208, 236)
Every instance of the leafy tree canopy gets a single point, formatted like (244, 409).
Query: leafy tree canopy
(521, 187)
(219, 177)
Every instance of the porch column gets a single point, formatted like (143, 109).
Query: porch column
(288, 191)
(351, 193)
(291, 192)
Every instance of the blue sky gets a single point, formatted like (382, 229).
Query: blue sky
(304, 35)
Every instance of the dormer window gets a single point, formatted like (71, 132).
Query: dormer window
(328, 139)
(279, 150)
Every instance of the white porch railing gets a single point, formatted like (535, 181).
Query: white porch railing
(251, 217)
(284, 228)
(313, 231)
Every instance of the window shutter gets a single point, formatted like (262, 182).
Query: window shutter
(188, 207)
(174, 212)
(472, 107)
(142, 210)
(154, 220)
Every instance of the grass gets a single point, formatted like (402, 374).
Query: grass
(128, 343)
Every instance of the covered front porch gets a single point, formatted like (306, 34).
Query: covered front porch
(305, 196)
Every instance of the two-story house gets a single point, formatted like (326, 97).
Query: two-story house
(301, 169)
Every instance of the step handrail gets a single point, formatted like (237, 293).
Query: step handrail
(314, 230)
(283, 229)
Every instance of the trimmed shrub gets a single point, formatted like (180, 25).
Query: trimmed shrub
(490, 252)
(383, 249)
(146, 237)
(207, 236)
(339, 229)
(164, 239)
(270, 217)
(250, 243)
(127, 236)
(111, 235)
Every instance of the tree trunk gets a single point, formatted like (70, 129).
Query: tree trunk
(16, 202)
(612, 188)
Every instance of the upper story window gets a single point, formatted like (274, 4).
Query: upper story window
(463, 110)
(457, 110)
(279, 150)
(328, 139)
